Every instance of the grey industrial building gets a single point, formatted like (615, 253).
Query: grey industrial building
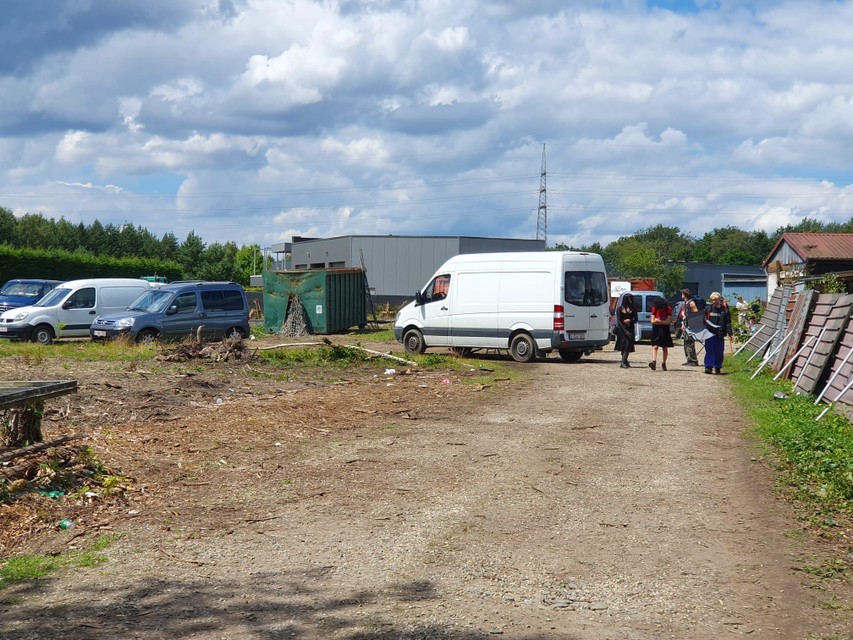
(396, 266)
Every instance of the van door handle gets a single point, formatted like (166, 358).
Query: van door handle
(92, 312)
(593, 315)
(444, 308)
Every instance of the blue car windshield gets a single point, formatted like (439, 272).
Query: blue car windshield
(152, 301)
(20, 289)
(53, 298)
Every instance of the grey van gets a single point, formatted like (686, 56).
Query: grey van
(177, 310)
(643, 301)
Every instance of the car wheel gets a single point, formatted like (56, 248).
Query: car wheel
(146, 336)
(570, 356)
(413, 341)
(462, 352)
(522, 348)
(43, 334)
(233, 332)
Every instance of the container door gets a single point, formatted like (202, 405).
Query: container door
(77, 313)
(435, 312)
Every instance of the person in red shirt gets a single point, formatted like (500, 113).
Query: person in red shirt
(661, 337)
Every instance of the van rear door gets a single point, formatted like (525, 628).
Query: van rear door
(586, 299)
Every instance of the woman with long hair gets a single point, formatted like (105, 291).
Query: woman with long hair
(626, 320)
(661, 337)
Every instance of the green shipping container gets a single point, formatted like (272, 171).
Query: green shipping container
(334, 299)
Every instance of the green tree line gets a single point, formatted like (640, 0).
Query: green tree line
(70, 243)
(656, 251)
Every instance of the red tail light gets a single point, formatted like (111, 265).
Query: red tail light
(559, 318)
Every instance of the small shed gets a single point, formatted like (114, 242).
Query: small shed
(799, 256)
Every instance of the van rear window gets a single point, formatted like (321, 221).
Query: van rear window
(586, 288)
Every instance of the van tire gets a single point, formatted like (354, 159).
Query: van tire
(146, 336)
(522, 348)
(413, 341)
(570, 356)
(43, 334)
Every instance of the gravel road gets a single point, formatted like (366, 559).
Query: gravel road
(584, 501)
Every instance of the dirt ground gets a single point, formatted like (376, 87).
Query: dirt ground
(538, 501)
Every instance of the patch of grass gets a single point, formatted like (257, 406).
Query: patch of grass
(814, 458)
(314, 357)
(32, 353)
(33, 567)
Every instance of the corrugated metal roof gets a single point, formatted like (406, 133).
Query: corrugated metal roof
(817, 246)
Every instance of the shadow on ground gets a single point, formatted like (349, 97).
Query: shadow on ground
(266, 606)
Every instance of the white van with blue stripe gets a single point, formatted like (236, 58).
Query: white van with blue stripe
(529, 303)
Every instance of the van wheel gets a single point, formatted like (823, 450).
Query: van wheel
(522, 348)
(462, 352)
(146, 336)
(413, 341)
(43, 334)
(233, 332)
(570, 356)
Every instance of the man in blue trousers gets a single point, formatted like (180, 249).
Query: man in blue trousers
(718, 321)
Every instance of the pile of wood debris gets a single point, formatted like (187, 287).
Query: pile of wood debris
(230, 348)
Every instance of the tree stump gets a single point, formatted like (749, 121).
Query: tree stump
(21, 425)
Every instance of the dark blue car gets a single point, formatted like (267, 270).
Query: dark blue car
(24, 292)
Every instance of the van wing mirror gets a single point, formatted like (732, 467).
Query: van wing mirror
(419, 299)
(172, 310)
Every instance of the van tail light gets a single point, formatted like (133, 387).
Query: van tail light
(559, 318)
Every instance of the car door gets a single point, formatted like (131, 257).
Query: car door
(77, 313)
(435, 311)
(183, 317)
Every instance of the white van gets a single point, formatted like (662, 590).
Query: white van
(69, 310)
(529, 303)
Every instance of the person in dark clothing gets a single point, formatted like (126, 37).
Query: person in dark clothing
(626, 320)
(689, 306)
(661, 337)
(719, 322)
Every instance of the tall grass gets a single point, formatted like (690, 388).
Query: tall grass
(816, 457)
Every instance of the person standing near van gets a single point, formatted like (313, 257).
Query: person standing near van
(688, 307)
(661, 337)
(719, 322)
(626, 320)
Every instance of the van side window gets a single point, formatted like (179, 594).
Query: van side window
(185, 302)
(438, 288)
(586, 288)
(82, 299)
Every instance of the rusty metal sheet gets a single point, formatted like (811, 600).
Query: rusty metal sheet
(800, 308)
(832, 313)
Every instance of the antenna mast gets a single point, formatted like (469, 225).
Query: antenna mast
(542, 212)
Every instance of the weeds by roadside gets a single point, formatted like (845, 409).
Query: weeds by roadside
(814, 458)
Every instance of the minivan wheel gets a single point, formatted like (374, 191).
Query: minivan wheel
(146, 336)
(522, 348)
(570, 356)
(43, 334)
(233, 332)
(413, 341)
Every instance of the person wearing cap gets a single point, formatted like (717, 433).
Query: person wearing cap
(718, 321)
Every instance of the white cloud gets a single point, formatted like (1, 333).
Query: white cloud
(261, 117)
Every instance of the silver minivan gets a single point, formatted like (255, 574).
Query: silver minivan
(643, 301)
(177, 310)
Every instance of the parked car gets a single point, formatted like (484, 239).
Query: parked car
(68, 309)
(643, 301)
(24, 292)
(175, 311)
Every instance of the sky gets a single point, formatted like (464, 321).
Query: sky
(254, 121)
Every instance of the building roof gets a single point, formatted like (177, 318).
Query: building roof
(816, 246)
